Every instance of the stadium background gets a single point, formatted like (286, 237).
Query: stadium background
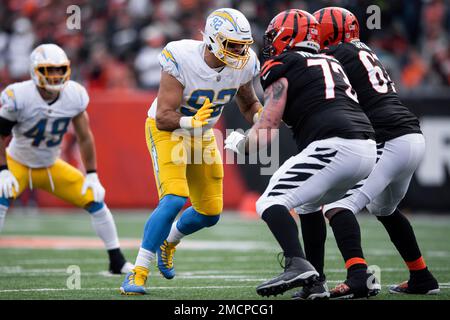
(114, 54)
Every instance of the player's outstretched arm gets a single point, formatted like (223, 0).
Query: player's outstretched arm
(248, 102)
(275, 97)
(87, 149)
(170, 95)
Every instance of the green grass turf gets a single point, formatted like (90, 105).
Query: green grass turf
(231, 259)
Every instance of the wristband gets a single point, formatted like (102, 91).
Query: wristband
(91, 171)
(186, 122)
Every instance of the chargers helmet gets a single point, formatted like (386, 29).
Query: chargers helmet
(225, 30)
(48, 56)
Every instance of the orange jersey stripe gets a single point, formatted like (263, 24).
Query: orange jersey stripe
(267, 65)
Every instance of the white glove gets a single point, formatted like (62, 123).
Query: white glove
(236, 142)
(91, 181)
(7, 182)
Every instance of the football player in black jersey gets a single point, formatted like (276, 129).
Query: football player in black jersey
(311, 93)
(400, 145)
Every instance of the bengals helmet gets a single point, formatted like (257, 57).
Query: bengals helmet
(291, 29)
(336, 25)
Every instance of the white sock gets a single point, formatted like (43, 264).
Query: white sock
(175, 235)
(3, 210)
(105, 228)
(144, 258)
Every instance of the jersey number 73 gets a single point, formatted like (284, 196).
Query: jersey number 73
(328, 66)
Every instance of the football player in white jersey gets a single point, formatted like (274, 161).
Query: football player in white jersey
(38, 112)
(198, 79)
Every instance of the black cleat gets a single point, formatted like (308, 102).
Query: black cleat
(430, 286)
(297, 272)
(356, 288)
(317, 290)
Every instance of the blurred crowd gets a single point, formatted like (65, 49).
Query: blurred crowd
(119, 40)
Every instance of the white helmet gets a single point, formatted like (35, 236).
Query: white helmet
(225, 28)
(48, 56)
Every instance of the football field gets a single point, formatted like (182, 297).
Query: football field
(40, 253)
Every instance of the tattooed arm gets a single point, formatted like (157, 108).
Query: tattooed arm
(247, 101)
(275, 97)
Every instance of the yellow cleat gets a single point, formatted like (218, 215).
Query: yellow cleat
(165, 259)
(134, 283)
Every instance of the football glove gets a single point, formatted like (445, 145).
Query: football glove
(235, 142)
(7, 183)
(91, 181)
(200, 118)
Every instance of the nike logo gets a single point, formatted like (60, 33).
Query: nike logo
(264, 77)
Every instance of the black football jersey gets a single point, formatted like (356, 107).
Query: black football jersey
(376, 91)
(320, 100)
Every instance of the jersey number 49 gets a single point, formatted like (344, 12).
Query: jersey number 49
(58, 129)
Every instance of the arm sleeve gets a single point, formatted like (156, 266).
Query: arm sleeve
(169, 62)
(6, 126)
(9, 105)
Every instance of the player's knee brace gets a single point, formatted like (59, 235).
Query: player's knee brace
(94, 207)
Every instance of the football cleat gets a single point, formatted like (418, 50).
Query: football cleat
(356, 288)
(408, 287)
(317, 290)
(297, 272)
(165, 259)
(134, 283)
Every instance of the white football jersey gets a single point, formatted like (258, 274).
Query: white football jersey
(37, 135)
(184, 60)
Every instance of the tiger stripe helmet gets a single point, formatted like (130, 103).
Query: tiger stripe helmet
(289, 29)
(336, 25)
